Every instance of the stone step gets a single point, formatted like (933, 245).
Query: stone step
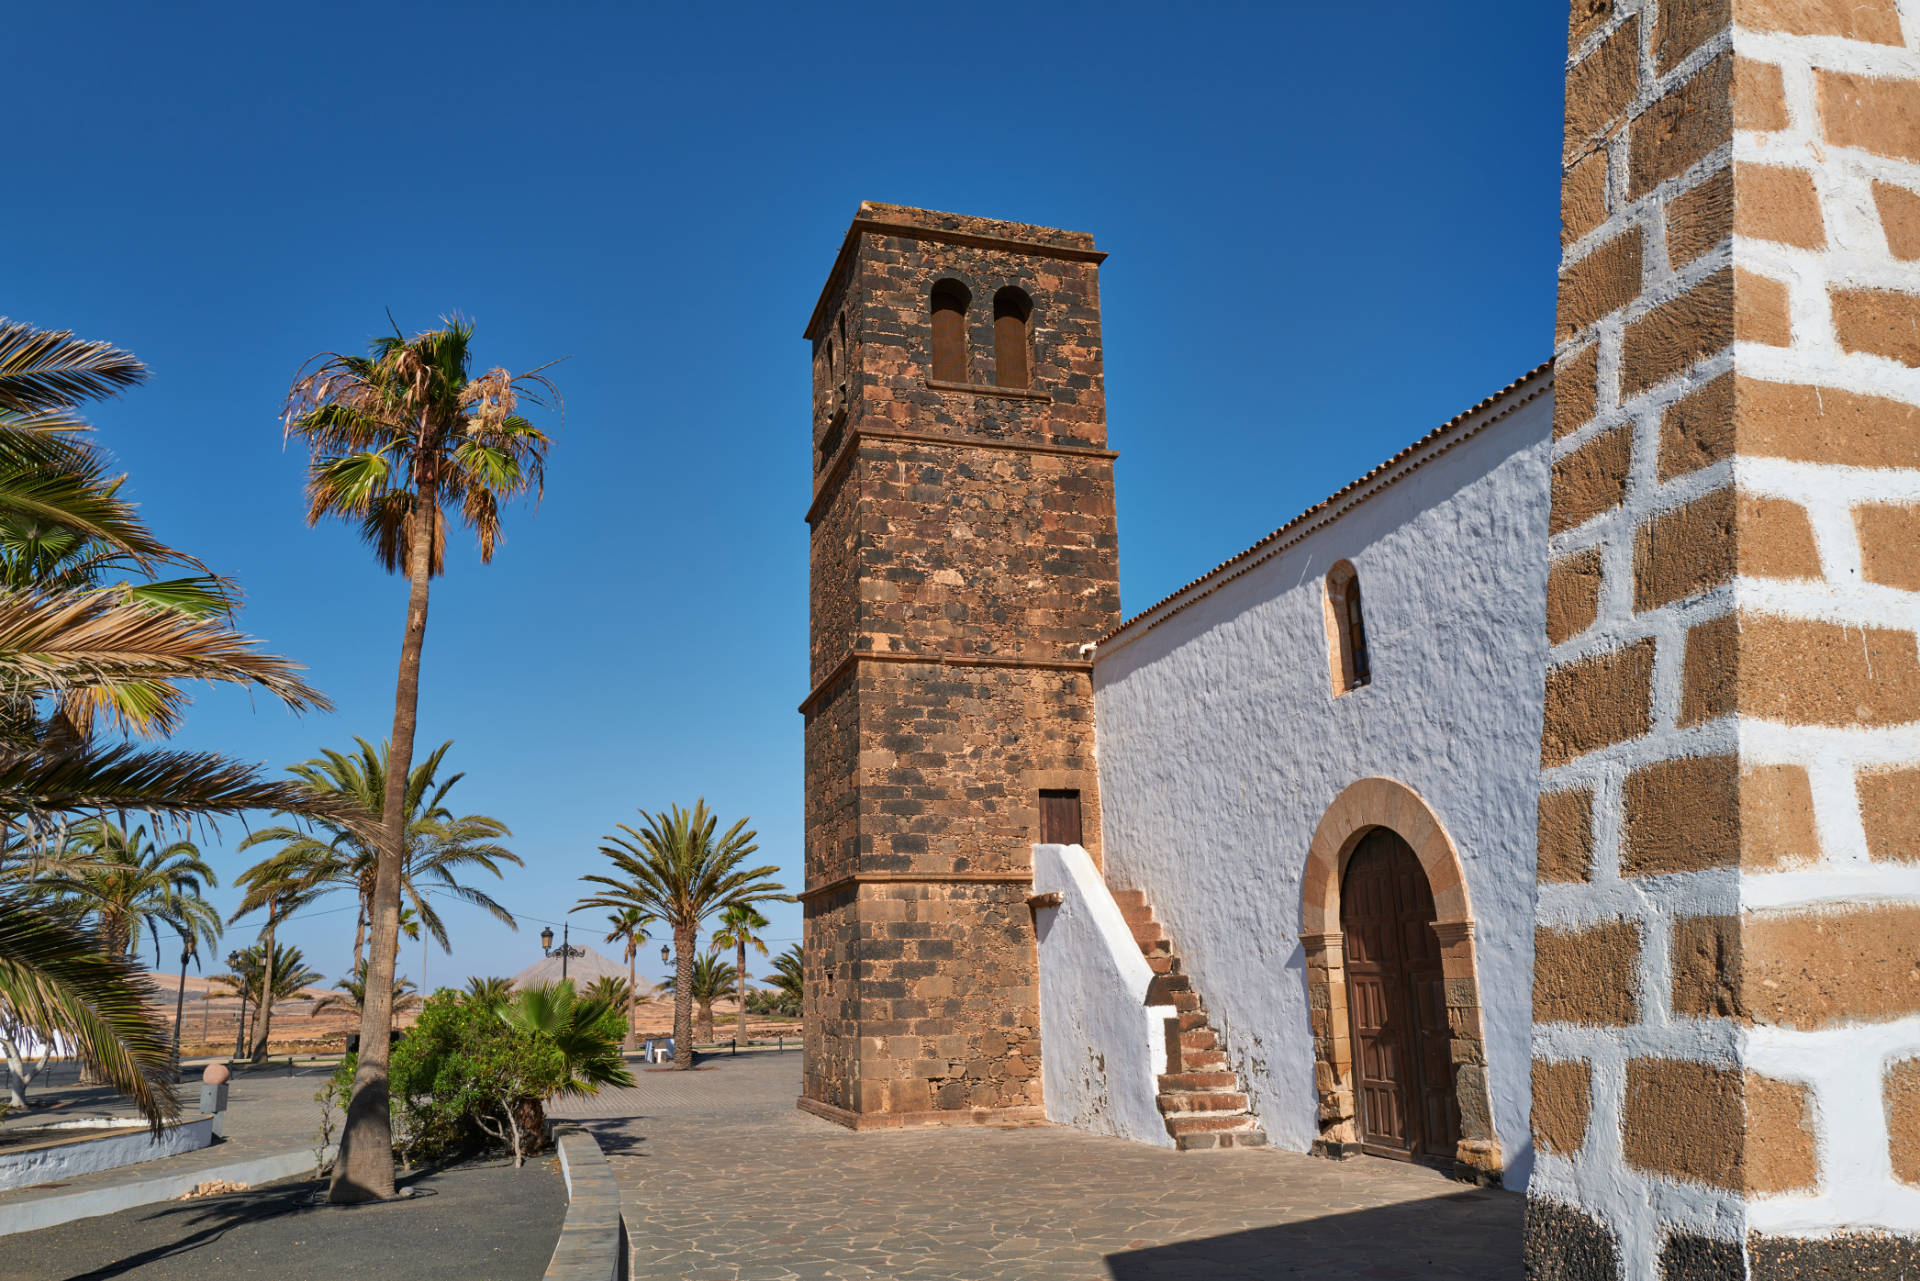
(1151, 935)
(1161, 963)
(1201, 1038)
(1178, 1082)
(1174, 1102)
(1155, 947)
(1208, 1140)
(1193, 1020)
(1182, 1002)
(1202, 1124)
(1167, 986)
(1203, 1060)
(1129, 898)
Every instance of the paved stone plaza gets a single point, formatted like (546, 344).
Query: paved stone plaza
(724, 1179)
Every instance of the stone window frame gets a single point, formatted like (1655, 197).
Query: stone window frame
(1346, 670)
(1357, 810)
(1013, 337)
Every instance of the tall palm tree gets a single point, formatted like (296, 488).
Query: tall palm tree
(674, 868)
(352, 996)
(401, 440)
(711, 978)
(630, 929)
(739, 929)
(440, 845)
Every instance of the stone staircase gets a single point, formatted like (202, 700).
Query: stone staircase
(1200, 1096)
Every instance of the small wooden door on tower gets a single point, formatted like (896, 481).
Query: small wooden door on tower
(1060, 816)
(1396, 1003)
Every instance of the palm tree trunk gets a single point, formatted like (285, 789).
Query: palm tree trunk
(263, 1018)
(740, 1015)
(360, 937)
(179, 1006)
(364, 1170)
(706, 1021)
(633, 1003)
(683, 997)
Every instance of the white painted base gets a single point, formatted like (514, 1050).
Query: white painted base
(1102, 1047)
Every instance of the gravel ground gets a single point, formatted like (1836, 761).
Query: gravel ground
(480, 1221)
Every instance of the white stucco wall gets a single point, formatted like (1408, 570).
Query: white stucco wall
(118, 1144)
(1102, 1047)
(1220, 745)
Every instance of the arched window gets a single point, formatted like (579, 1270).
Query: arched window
(1347, 657)
(950, 302)
(1012, 310)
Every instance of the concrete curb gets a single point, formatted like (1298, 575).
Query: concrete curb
(592, 1239)
(45, 1212)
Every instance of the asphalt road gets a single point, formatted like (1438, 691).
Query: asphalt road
(481, 1221)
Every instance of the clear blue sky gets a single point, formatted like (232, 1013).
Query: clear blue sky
(1331, 226)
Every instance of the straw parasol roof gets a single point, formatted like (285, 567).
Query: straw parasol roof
(584, 965)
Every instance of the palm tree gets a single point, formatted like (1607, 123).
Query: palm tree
(712, 976)
(73, 647)
(352, 996)
(340, 855)
(630, 929)
(570, 1022)
(673, 868)
(610, 989)
(739, 926)
(57, 975)
(489, 991)
(267, 973)
(397, 438)
(789, 977)
(130, 886)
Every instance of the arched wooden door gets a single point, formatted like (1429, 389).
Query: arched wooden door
(1396, 1001)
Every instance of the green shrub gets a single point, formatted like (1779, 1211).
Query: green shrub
(476, 1073)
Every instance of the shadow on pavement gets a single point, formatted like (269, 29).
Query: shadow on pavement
(1386, 1242)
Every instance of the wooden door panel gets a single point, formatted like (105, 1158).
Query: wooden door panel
(1396, 997)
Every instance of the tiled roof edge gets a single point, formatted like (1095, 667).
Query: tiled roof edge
(1158, 612)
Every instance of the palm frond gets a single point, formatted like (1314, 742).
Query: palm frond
(51, 369)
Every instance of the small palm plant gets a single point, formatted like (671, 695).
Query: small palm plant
(489, 991)
(610, 990)
(265, 974)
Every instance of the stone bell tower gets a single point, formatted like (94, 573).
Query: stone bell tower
(963, 550)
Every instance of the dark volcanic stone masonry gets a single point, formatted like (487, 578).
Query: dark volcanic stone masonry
(963, 551)
(1562, 1244)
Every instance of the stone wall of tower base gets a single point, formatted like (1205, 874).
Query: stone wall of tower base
(941, 1021)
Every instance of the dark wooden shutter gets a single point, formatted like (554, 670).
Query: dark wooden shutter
(1060, 817)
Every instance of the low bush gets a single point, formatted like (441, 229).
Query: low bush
(476, 1073)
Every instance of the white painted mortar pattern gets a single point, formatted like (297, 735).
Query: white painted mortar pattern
(1843, 1066)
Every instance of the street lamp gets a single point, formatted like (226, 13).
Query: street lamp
(240, 1033)
(546, 941)
(663, 954)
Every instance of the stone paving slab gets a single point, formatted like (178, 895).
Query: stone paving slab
(723, 1179)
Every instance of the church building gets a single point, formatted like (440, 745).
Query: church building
(1540, 806)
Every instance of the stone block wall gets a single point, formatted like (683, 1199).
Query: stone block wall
(1727, 967)
(963, 550)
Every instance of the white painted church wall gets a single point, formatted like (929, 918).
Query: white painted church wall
(1220, 746)
(1102, 1047)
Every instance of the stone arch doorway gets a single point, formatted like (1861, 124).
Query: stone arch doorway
(1369, 806)
(1396, 1003)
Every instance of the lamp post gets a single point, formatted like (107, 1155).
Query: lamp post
(234, 960)
(546, 943)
